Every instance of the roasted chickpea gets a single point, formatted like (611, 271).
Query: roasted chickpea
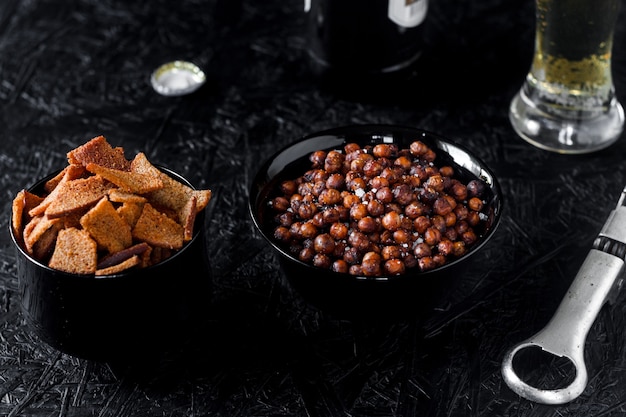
(446, 171)
(329, 196)
(475, 204)
(418, 148)
(426, 263)
(476, 188)
(367, 224)
(307, 211)
(280, 204)
(286, 218)
(308, 230)
(351, 147)
(358, 211)
(421, 250)
(357, 183)
(331, 215)
(379, 182)
(333, 161)
(401, 236)
(391, 221)
(436, 183)
(371, 264)
(350, 200)
(432, 236)
(384, 195)
(402, 194)
(394, 267)
(421, 224)
(324, 243)
(390, 252)
(384, 150)
(317, 158)
(355, 270)
(288, 187)
(445, 246)
(336, 181)
(372, 168)
(322, 261)
(375, 208)
(359, 240)
(282, 233)
(340, 266)
(306, 254)
(403, 162)
(352, 256)
(442, 206)
(338, 231)
(414, 209)
(458, 248)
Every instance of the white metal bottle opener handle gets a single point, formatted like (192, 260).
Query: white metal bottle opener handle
(565, 334)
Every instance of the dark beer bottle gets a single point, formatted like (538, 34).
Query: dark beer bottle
(364, 40)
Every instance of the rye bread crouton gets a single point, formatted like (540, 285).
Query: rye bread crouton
(120, 267)
(117, 195)
(187, 216)
(130, 212)
(121, 256)
(129, 181)
(76, 195)
(100, 152)
(75, 252)
(36, 228)
(70, 173)
(23, 202)
(107, 227)
(158, 229)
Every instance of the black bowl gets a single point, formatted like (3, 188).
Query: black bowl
(342, 293)
(133, 314)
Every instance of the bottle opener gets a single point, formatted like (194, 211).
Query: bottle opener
(565, 333)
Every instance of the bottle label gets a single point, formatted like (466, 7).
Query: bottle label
(408, 13)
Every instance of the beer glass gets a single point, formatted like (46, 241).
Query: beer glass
(567, 103)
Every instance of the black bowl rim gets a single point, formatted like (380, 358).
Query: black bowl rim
(379, 129)
(122, 275)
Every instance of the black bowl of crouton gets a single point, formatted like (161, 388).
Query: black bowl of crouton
(375, 220)
(111, 255)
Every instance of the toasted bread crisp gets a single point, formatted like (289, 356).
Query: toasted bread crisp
(44, 246)
(157, 229)
(107, 227)
(35, 229)
(70, 173)
(131, 182)
(75, 252)
(123, 255)
(130, 212)
(23, 202)
(122, 266)
(100, 152)
(75, 195)
(117, 195)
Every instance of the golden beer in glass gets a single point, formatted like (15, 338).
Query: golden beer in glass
(567, 103)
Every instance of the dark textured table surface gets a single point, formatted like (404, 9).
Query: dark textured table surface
(71, 70)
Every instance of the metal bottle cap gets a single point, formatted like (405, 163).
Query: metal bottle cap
(177, 78)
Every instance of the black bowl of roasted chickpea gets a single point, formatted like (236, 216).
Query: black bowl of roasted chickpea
(375, 218)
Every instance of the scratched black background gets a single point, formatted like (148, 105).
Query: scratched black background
(71, 70)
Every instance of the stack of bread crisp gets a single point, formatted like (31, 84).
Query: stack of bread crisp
(104, 214)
